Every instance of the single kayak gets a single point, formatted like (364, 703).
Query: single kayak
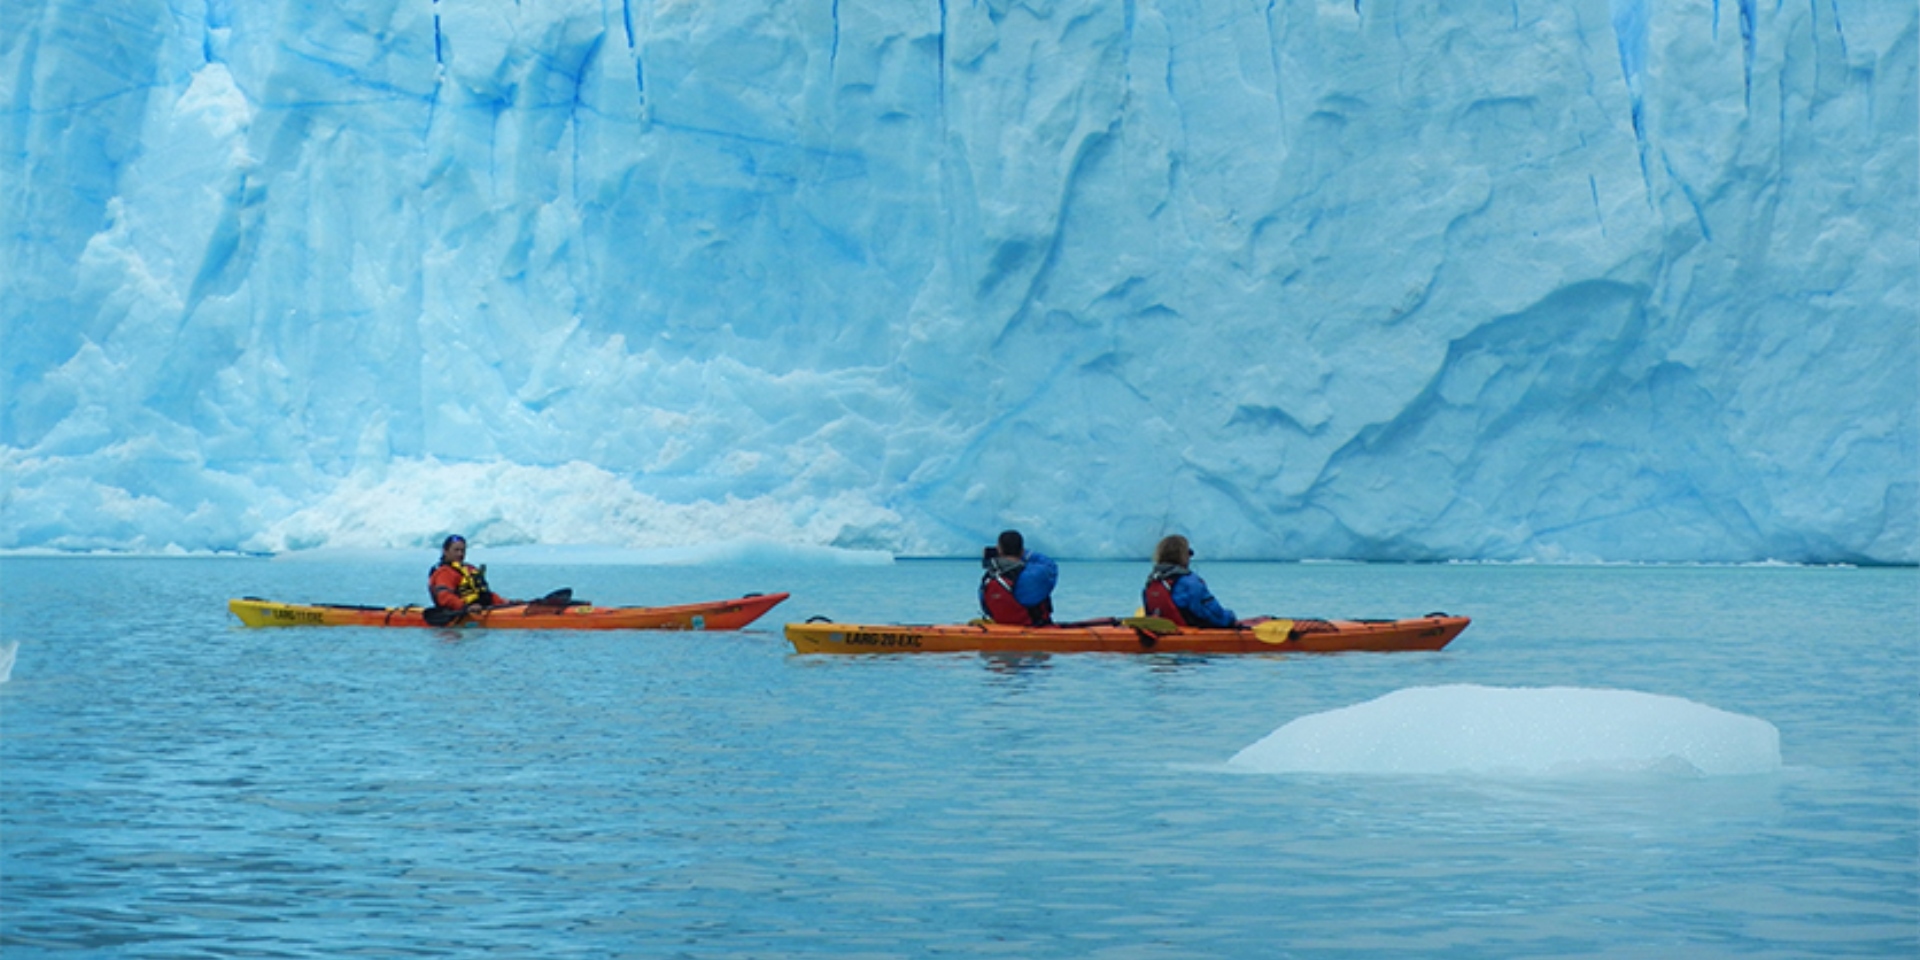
(1132, 635)
(711, 615)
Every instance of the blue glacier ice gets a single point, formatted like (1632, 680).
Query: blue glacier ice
(1613, 280)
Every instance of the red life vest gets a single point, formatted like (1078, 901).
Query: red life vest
(1158, 601)
(997, 602)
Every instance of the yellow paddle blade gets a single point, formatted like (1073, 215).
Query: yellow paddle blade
(1273, 631)
(1154, 625)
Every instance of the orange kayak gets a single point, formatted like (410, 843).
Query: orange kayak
(711, 615)
(1132, 635)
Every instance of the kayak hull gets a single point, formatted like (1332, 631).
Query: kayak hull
(710, 615)
(1308, 636)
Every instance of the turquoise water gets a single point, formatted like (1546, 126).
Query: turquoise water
(174, 785)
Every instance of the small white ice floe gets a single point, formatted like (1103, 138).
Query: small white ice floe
(1525, 731)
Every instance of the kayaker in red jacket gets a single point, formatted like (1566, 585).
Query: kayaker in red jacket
(457, 586)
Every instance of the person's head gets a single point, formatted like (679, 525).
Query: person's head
(1012, 545)
(453, 549)
(1173, 550)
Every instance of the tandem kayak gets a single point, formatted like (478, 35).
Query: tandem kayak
(711, 615)
(1132, 635)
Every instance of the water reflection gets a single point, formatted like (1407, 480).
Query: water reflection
(453, 635)
(1168, 663)
(1013, 666)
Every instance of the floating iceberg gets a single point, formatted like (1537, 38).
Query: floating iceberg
(1467, 729)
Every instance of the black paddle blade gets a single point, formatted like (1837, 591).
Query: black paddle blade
(555, 602)
(440, 616)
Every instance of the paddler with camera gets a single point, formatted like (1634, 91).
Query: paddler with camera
(1017, 587)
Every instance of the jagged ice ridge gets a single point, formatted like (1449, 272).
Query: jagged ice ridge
(1628, 280)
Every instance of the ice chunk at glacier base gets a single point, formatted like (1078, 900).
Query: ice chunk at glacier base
(1472, 729)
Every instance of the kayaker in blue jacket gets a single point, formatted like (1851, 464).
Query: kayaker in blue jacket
(1176, 593)
(1017, 587)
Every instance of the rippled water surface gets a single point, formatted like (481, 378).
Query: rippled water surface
(175, 785)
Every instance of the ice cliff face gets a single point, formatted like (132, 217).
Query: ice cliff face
(1397, 280)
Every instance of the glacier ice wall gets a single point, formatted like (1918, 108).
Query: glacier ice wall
(1626, 280)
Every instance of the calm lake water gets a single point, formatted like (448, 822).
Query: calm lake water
(175, 785)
